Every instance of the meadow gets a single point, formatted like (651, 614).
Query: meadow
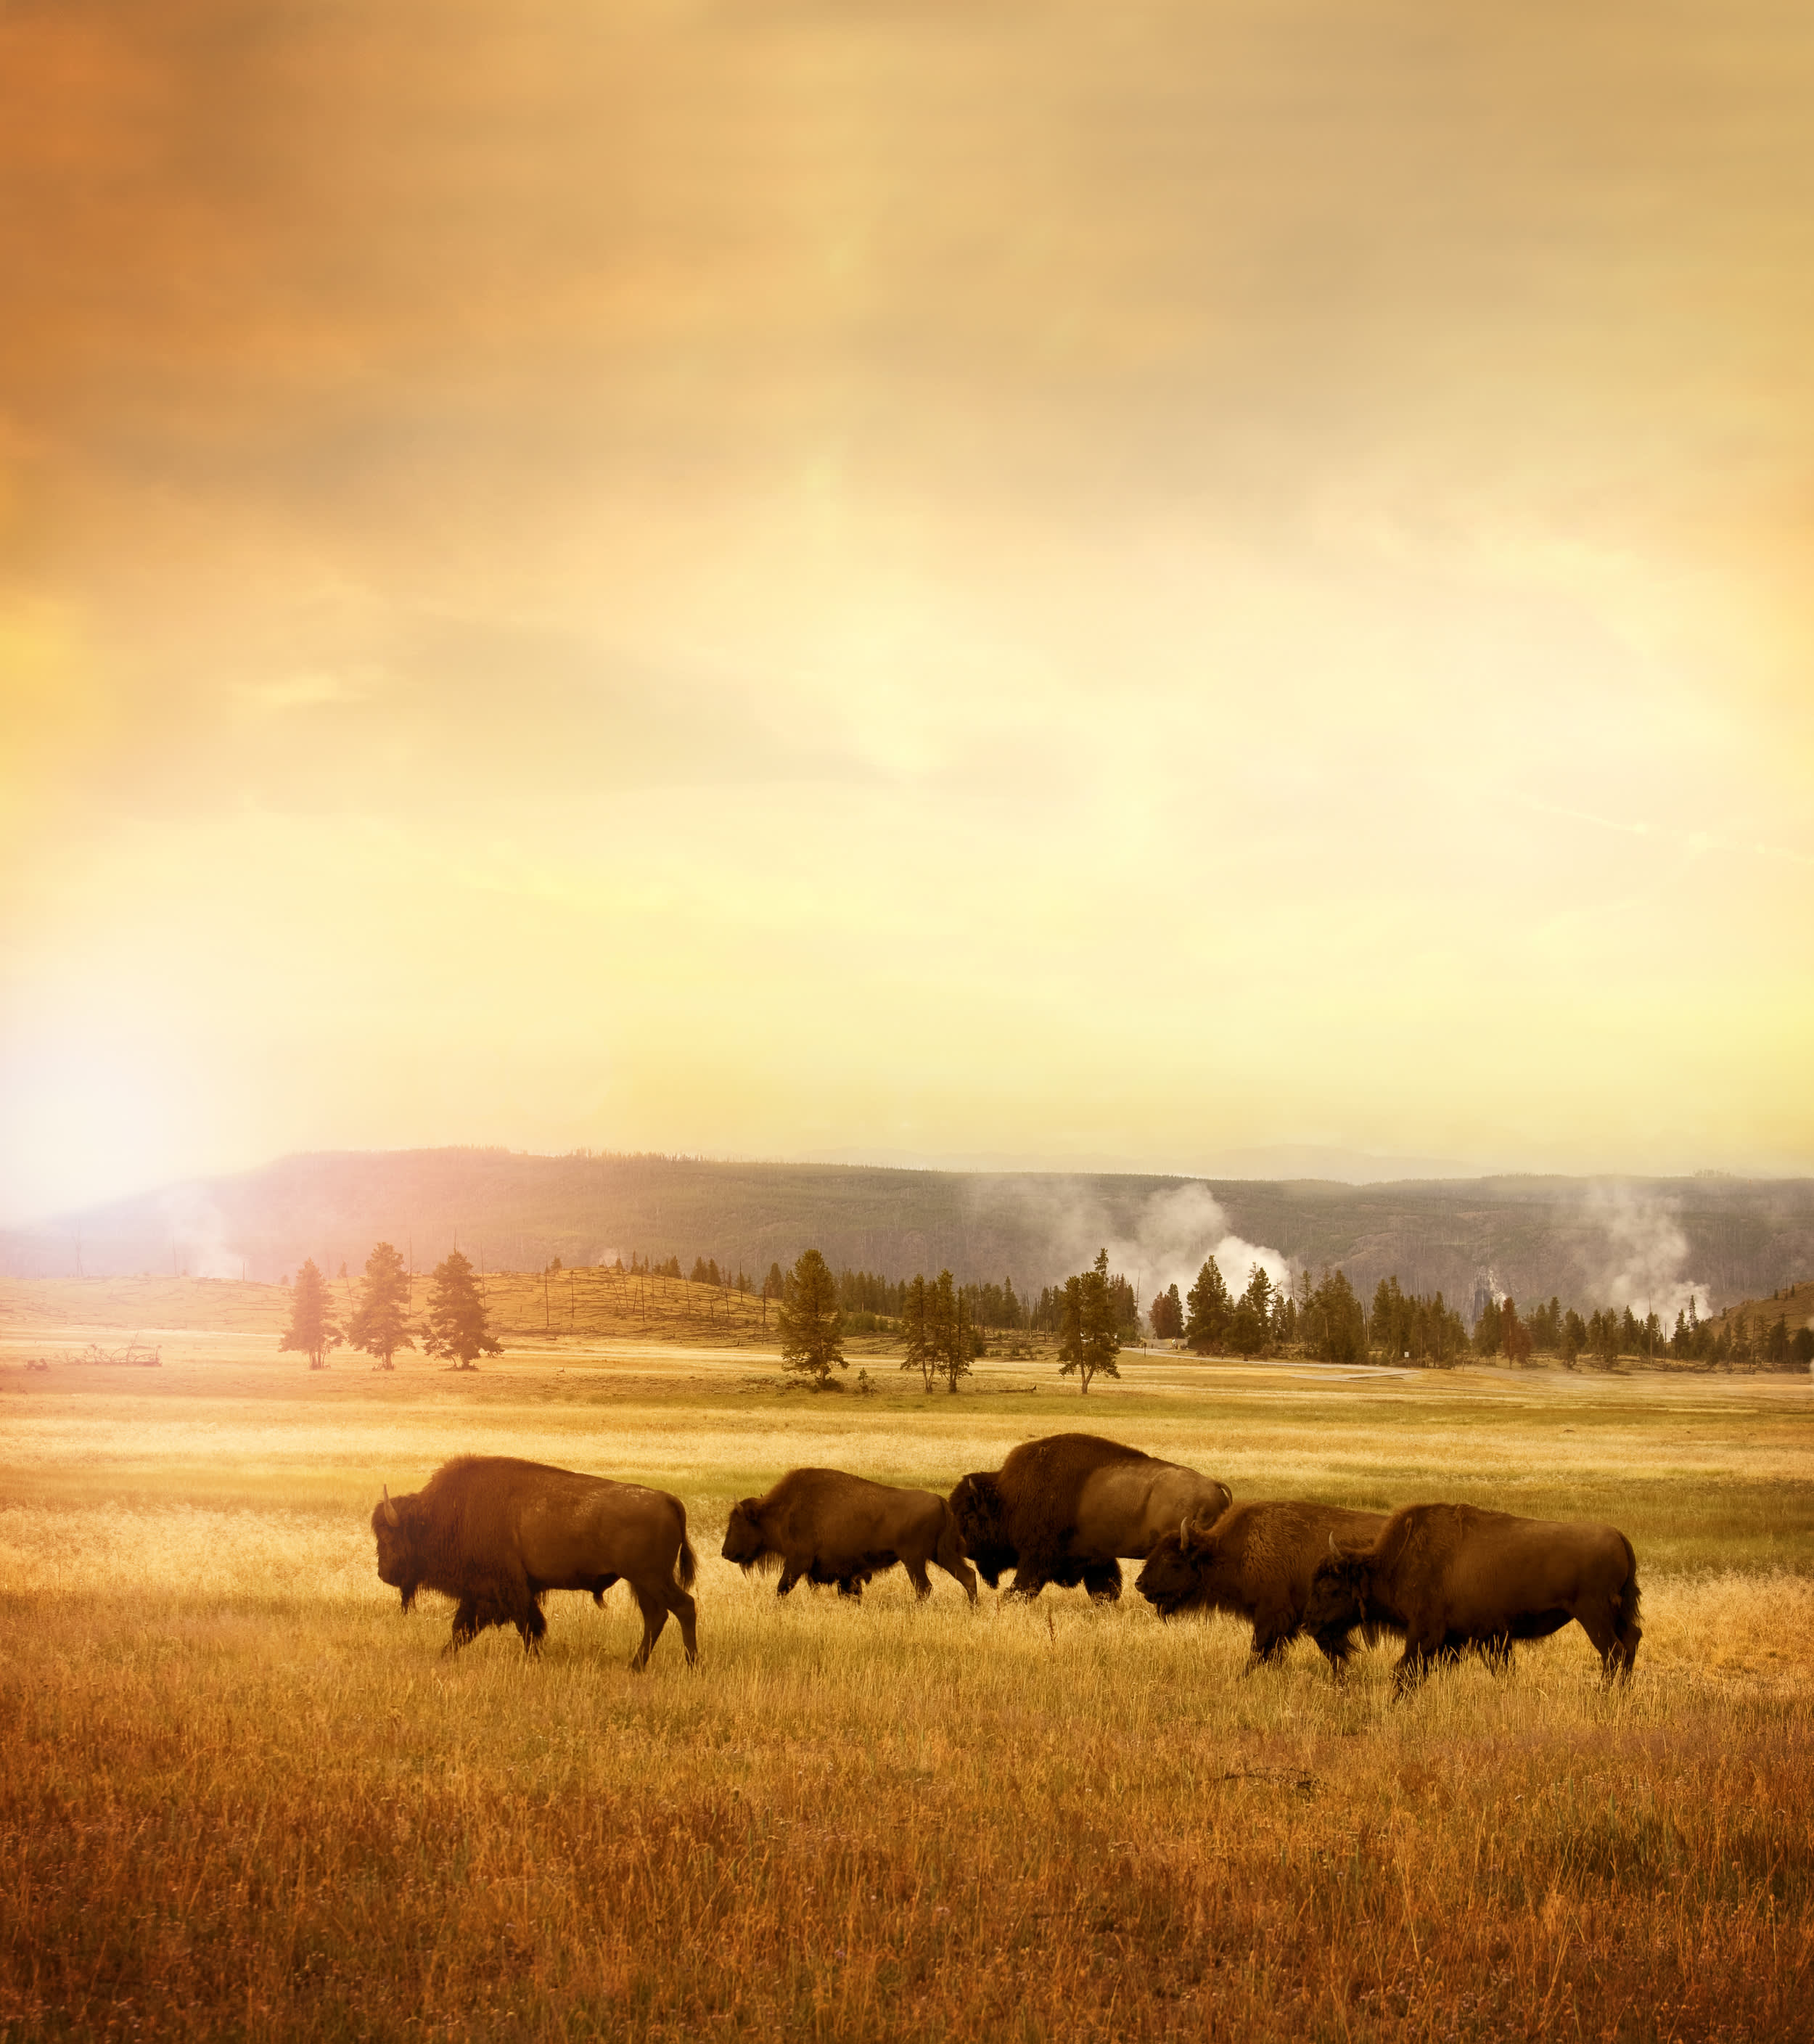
(243, 1795)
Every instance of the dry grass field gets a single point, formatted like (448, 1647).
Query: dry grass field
(243, 1794)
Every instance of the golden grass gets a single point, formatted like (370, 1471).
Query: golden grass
(243, 1795)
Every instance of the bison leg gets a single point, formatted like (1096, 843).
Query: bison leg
(1496, 1651)
(1615, 1635)
(599, 1587)
(1103, 1580)
(851, 1586)
(950, 1557)
(687, 1612)
(916, 1575)
(467, 1625)
(790, 1576)
(1336, 1645)
(655, 1616)
(1413, 1666)
(961, 1572)
(531, 1626)
(472, 1615)
(1029, 1579)
(1274, 1631)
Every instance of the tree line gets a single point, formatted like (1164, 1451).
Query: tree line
(943, 1323)
(455, 1329)
(1327, 1320)
(942, 1334)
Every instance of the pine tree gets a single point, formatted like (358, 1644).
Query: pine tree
(1487, 1335)
(915, 1325)
(457, 1329)
(1089, 1338)
(811, 1326)
(1167, 1315)
(1250, 1328)
(1334, 1322)
(312, 1329)
(1514, 1335)
(1210, 1309)
(954, 1340)
(380, 1323)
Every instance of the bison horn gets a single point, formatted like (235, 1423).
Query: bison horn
(389, 1509)
(1335, 1551)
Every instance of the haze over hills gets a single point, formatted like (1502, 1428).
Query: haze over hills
(1642, 1242)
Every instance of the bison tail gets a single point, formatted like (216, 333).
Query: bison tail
(686, 1563)
(1631, 1603)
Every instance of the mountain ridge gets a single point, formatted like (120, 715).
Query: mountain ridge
(1590, 1241)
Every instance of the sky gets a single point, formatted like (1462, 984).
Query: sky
(1115, 587)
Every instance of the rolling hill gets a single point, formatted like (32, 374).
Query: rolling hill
(1591, 1241)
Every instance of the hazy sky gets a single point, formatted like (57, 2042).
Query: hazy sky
(1083, 583)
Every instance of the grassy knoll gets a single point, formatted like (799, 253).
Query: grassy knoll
(244, 1794)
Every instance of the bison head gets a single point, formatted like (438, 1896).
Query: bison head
(1340, 1590)
(744, 1544)
(981, 1516)
(392, 1522)
(1179, 1574)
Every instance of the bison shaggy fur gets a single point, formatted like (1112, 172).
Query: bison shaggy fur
(1257, 1562)
(496, 1534)
(1451, 1577)
(833, 1527)
(1063, 1510)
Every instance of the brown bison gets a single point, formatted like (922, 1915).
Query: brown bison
(1063, 1509)
(1257, 1561)
(497, 1535)
(1451, 1575)
(831, 1528)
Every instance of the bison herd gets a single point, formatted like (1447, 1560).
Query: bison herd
(496, 1534)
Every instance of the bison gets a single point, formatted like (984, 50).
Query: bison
(1063, 1509)
(832, 1528)
(1452, 1576)
(1257, 1561)
(496, 1534)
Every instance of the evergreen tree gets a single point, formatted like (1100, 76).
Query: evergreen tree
(1389, 1320)
(1250, 1327)
(1210, 1310)
(457, 1330)
(1089, 1338)
(1334, 1324)
(312, 1329)
(1607, 1347)
(380, 1323)
(953, 1340)
(811, 1325)
(915, 1325)
(1486, 1334)
(1167, 1315)
(1514, 1336)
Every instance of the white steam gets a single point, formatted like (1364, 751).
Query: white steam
(1648, 1253)
(1176, 1233)
(197, 1234)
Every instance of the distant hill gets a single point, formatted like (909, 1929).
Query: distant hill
(1793, 1304)
(1590, 1241)
(587, 1305)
